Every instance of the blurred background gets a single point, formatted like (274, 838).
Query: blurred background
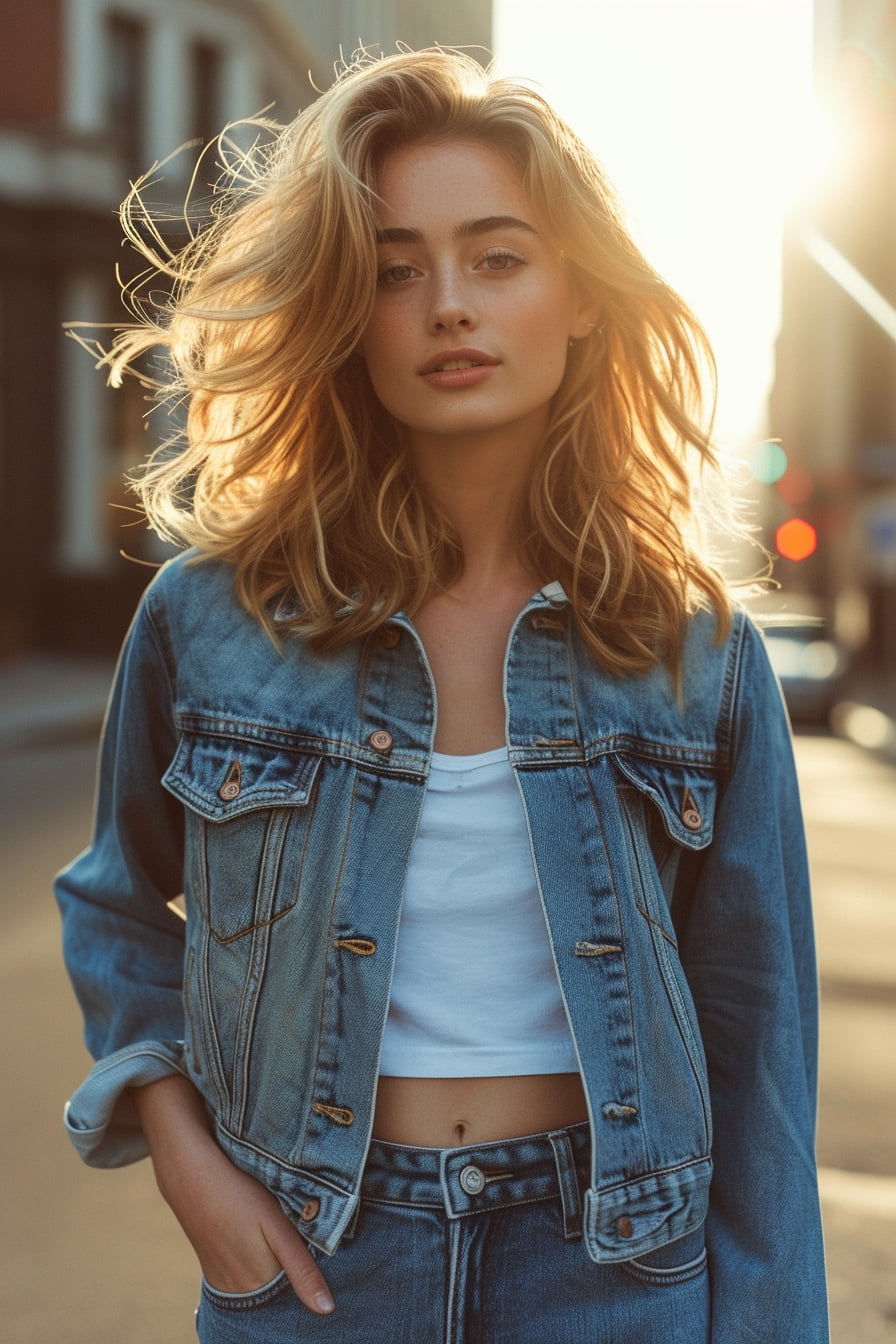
(754, 145)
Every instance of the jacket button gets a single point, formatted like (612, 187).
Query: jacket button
(624, 1227)
(340, 1115)
(380, 740)
(692, 819)
(232, 784)
(309, 1210)
(390, 636)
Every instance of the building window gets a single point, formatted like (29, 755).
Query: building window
(126, 87)
(205, 85)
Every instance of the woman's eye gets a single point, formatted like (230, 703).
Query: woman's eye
(396, 273)
(501, 259)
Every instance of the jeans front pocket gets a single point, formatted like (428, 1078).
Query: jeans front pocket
(251, 1301)
(676, 1262)
(266, 1315)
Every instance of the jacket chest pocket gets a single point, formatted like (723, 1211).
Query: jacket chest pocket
(248, 809)
(684, 797)
(670, 810)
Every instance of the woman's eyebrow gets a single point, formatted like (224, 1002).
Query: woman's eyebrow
(467, 228)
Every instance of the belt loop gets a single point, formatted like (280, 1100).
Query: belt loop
(351, 1226)
(568, 1180)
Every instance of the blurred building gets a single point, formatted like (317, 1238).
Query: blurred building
(833, 404)
(92, 92)
(331, 28)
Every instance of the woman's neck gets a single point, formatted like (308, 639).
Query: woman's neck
(481, 488)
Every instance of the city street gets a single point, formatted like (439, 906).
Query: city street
(95, 1257)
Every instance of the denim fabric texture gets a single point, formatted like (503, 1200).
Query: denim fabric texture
(279, 790)
(477, 1245)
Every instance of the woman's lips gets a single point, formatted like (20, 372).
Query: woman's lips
(464, 377)
(458, 368)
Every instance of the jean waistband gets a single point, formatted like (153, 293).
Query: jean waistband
(484, 1176)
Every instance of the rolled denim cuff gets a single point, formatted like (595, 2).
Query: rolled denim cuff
(100, 1117)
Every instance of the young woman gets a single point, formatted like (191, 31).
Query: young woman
(493, 1014)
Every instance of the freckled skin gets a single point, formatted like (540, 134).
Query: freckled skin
(505, 292)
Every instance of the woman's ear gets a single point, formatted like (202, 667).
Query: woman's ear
(585, 319)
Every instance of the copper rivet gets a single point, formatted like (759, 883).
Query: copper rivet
(228, 791)
(310, 1210)
(380, 740)
(692, 819)
(624, 1227)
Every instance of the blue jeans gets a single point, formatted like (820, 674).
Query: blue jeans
(477, 1245)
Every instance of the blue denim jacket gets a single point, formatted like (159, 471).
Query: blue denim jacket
(279, 790)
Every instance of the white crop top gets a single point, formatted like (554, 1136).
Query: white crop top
(474, 990)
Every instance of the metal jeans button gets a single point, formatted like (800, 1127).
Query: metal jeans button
(472, 1180)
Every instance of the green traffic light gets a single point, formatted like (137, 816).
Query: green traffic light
(768, 462)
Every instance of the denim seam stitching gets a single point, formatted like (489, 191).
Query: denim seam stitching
(210, 1026)
(664, 1278)
(265, 735)
(636, 1090)
(321, 1034)
(667, 975)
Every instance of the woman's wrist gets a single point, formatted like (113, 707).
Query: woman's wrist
(173, 1118)
(157, 1102)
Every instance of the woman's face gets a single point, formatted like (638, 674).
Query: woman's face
(474, 308)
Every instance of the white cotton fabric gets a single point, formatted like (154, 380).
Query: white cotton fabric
(474, 990)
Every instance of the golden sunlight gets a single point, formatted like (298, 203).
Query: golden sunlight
(702, 112)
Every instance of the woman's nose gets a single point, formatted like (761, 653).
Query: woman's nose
(451, 305)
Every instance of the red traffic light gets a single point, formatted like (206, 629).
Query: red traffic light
(796, 539)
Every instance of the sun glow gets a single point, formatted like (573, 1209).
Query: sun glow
(702, 113)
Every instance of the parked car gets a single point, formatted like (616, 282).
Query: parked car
(810, 664)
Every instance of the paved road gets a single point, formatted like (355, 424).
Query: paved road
(95, 1257)
(849, 801)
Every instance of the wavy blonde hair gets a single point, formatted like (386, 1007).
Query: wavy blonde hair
(293, 472)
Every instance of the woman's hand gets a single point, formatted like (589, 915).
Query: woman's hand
(241, 1236)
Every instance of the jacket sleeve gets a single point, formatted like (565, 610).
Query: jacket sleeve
(748, 952)
(123, 946)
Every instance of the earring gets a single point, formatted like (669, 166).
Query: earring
(591, 330)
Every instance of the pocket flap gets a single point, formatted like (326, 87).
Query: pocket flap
(684, 794)
(223, 777)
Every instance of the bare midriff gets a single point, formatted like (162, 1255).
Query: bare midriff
(451, 1112)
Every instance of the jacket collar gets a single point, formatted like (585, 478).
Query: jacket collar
(289, 606)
